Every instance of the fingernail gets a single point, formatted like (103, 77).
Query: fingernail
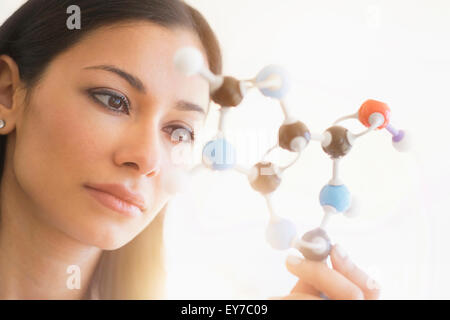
(372, 284)
(340, 251)
(294, 260)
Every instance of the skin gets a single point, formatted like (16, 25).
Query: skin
(64, 138)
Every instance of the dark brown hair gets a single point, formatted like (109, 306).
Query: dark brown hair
(37, 32)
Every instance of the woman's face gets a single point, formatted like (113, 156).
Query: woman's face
(106, 112)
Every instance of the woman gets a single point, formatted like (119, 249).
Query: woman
(89, 119)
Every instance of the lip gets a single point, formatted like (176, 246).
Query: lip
(117, 197)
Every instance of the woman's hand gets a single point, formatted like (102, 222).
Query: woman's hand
(343, 282)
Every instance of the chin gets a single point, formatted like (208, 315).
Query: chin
(110, 245)
(107, 238)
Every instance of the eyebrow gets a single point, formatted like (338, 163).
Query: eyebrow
(136, 83)
(187, 106)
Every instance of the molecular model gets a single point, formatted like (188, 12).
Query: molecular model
(294, 136)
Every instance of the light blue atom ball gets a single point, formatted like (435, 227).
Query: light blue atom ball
(219, 155)
(274, 70)
(338, 197)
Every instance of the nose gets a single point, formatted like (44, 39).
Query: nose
(141, 150)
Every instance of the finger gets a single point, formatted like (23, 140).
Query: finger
(342, 263)
(297, 296)
(304, 287)
(326, 280)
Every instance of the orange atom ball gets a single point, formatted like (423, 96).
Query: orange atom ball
(371, 106)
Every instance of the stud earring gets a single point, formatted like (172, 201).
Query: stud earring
(2, 123)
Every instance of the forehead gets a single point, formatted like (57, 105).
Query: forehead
(141, 48)
(138, 40)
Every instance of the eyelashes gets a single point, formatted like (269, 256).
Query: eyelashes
(118, 103)
(111, 100)
(180, 134)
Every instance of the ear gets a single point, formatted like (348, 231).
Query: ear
(9, 85)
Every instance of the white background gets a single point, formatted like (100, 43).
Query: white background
(339, 54)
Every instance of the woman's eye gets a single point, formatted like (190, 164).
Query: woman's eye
(112, 101)
(180, 134)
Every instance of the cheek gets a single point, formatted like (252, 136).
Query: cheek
(54, 140)
(58, 145)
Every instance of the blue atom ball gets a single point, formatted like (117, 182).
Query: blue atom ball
(338, 197)
(219, 155)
